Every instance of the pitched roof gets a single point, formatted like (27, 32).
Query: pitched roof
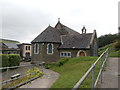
(81, 41)
(68, 38)
(64, 30)
(2, 45)
(50, 34)
(8, 41)
(5, 43)
(11, 45)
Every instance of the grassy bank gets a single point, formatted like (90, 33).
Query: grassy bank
(114, 54)
(73, 70)
(112, 51)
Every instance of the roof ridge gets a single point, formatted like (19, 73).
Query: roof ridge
(70, 35)
(85, 33)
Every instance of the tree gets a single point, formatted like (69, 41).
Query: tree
(107, 39)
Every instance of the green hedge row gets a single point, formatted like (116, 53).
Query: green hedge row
(9, 60)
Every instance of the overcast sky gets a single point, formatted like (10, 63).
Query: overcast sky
(23, 20)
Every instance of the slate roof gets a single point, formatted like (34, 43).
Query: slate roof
(2, 45)
(64, 30)
(11, 45)
(81, 41)
(68, 38)
(50, 34)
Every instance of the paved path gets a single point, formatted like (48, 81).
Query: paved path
(44, 82)
(110, 75)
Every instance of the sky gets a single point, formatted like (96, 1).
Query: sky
(23, 20)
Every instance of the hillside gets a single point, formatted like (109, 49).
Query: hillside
(113, 52)
(8, 41)
(107, 39)
(71, 70)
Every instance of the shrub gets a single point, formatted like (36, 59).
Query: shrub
(116, 45)
(14, 60)
(4, 60)
(48, 65)
(58, 63)
(34, 72)
(62, 61)
(9, 60)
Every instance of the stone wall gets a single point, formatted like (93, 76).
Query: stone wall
(94, 48)
(43, 56)
(75, 52)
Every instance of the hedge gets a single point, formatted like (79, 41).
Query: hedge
(9, 60)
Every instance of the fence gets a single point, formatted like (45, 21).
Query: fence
(12, 74)
(92, 69)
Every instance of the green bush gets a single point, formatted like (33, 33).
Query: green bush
(48, 65)
(34, 72)
(116, 44)
(62, 61)
(4, 60)
(14, 60)
(58, 63)
(9, 60)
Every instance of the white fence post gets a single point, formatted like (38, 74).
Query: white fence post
(93, 76)
(91, 69)
(100, 69)
(106, 56)
(7, 76)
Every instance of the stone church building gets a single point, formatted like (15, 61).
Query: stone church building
(61, 41)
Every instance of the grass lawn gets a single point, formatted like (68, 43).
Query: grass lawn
(73, 70)
(112, 51)
(114, 54)
(102, 49)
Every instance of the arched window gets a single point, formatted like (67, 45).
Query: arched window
(36, 48)
(50, 48)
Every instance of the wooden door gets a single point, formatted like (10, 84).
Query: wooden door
(82, 54)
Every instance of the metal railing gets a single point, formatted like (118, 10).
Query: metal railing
(92, 69)
(8, 70)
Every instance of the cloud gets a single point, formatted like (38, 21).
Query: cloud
(23, 20)
(20, 23)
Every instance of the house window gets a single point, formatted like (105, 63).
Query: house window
(36, 48)
(65, 54)
(50, 48)
(26, 47)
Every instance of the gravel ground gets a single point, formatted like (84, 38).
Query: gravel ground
(45, 81)
(110, 75)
